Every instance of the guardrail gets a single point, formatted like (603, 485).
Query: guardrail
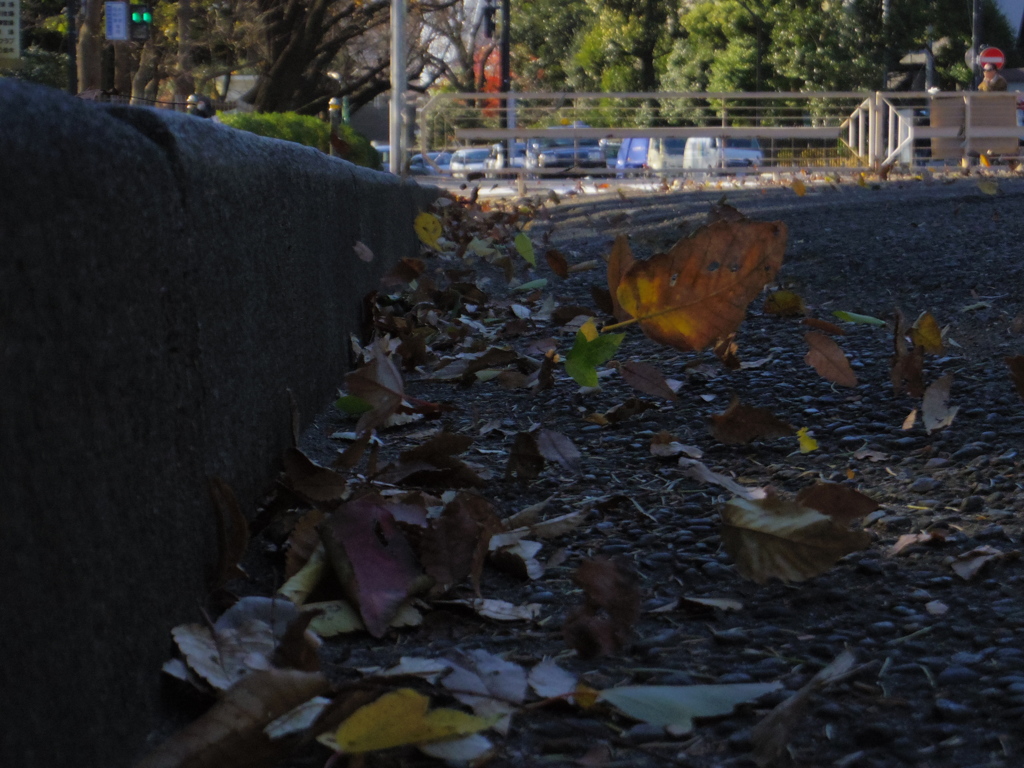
(852, 130)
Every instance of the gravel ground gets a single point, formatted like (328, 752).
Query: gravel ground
(939, 675)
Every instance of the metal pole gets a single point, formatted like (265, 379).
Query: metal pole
(396, 135)
(505, 61)
(976, 33)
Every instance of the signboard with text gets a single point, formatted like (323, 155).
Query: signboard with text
(117, 21)
(10, 30)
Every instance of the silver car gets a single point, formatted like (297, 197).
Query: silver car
(467, 161)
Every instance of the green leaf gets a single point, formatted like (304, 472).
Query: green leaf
(675, 706)
(540, 282)
(525, 247)
(352, 405)
(586, 354)
(853, 317)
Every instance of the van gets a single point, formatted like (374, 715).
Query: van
(719, 152)
(654, 154)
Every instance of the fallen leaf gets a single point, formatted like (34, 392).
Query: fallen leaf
(935, 411)
(428, 229)
(362, 251)
(603, 624)
(775, 538)
(988, 187)
(334, 617)
(1016, 366)
(840, 502)
(722, 211)
(675, 706)
(771, 736)
(590, 350)
(969, 564)
(488, 684)
(740, 424)
(824, 325)
(524, 246)
(306, 579)
(402, 717)
(866, 453)
(297, 720)
(726, 350)
(828, 360)
(926, 334)
(807, 443)
(784, 304)
(549, 681)
(557, 262)
(936, 536)
(518, 557)
(702, 473)
(799, 187)
(230, 734)
(619, 262)
(853, 317)
(372, 560)
(310, 480)
(910, 421)
(380, 384)
(497, 610)
(647, 379)
(404, 272)
(699, 291)
(474, 749)
(665, 445)
(455, 544)
(559, 449)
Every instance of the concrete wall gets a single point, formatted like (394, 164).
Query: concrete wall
(163, 281)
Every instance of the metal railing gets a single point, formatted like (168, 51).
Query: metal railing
(851, 130)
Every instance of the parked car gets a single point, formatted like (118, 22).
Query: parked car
(565, 153)
(611, 150)
(714, 152)
(632, 154)
(441, 163)
(497, 160)
(470, 160)
(655, 154)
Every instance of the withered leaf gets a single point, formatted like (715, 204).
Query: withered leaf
(611, 607)
(935, 536)
(404, 272)
(699, 291)
(647, 379)
(568, 313)
(619, 262)
(740, 424)
(908, 372)
(935, 412)
(627, 410)
(559, 449)
(455, 545)
(726, 350)
(784, 304)
(1016, 366)
(310, 480)
(556, 262)
(840, 502)
(828, 360)
(926, 334)
(372, 559)
(232, 531)
(302, 541)
(230, 734)
(665, 445)
(775, 538)
(722, 211)
(380, 384)
(524, 460)
(602, 299)
(969, 564)
(824, 325)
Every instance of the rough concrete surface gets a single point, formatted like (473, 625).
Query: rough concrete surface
(164, 281)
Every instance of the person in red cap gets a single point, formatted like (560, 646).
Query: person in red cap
(993, 81)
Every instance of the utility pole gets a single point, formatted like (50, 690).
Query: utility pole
(396, 136)
(976, 33)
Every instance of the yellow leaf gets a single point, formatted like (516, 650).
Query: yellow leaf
(861, 180)
(399, 718)
(926, 333)
(807, 443)
(988, 187)
(784, 303)
(589, 330)
(984, 162)
(698, 292)
(586, 696)
(428, 229)
(799, 187)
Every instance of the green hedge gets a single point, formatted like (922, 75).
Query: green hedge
(303, 129)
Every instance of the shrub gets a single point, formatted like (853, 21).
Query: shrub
(39, 66)
(303, 129)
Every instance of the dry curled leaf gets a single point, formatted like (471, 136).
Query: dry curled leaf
(611, 606)
(935, 411)
(740, 424)
(840, 502)
(699, 291)
(619, 262)
(647, 379)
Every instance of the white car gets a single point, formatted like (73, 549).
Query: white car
(472, 160)
(498, 160)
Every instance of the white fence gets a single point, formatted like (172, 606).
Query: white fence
(830, 130)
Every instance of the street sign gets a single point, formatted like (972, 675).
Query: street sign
(10, 30)
(117, 21)
(992, 56)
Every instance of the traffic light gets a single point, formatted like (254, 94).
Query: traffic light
(139, 21)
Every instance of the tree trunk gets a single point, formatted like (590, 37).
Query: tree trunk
(123, 67)
(144, 84)
(90, 45)
(184, 83)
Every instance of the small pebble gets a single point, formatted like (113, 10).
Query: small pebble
(734, 636)
(882, 629)
(924, 485)
(953, 711)
(956, 675)
(643, 733)
(735, 677)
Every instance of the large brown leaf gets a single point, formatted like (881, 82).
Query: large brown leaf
(380, 384)
(699, 291)
(826, 357)
(776, 538)
(619, 262)
(740, 423)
